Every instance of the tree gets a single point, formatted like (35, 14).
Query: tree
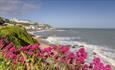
(7, 21)
(47, 26)
(2, 21)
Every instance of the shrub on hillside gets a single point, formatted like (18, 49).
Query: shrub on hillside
(2, 21)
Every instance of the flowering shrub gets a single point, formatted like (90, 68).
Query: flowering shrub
(34, 57)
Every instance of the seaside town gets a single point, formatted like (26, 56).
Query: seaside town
(28, 25)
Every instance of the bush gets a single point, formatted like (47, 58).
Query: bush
(2, 21)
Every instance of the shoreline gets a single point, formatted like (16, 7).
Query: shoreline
(40, 39)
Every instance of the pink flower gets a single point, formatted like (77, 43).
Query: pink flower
(14, 56)
(71, 55)
(80, 59)
(101, 65)
(22, 59)
(86, 66)
(10, 55)
(108, 67)
(91, 65)
(81, 50)
(33, 47)
(40, 55)
(64, 49)
(96, 60)
(14, 62)
(98, 65)
(85, 55)
(29, 46)
(9, 46)
(30, 52)
(22, 49)
(48, 49)
(82, 53)
(12, 49)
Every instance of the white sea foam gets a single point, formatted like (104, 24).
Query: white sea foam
(61, 30)
(50, 38)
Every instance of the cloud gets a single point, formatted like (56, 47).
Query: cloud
(17, 7)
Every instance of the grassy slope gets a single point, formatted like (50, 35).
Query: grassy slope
(17, 35)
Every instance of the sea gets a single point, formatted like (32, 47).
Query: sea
(102, 41)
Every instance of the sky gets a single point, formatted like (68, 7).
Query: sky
(62, 13)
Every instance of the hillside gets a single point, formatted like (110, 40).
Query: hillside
(16, 34)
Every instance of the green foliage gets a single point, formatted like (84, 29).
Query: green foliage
(43, 26)
(24, 24)
(2, 21)
(9, 21)
(17, 35)
(46, 26)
